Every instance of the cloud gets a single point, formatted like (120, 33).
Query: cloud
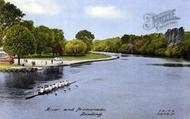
(103, 11)
(38, 7)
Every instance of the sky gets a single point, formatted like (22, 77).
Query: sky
(104, 18)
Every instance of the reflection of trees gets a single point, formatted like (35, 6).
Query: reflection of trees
(19, 84)
(20, 80)
(52, 73)
(27, 80)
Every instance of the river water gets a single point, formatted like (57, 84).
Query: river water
(126, 88)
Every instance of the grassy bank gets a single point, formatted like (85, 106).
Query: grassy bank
(86, 57)
(89, 56)
(7, 66)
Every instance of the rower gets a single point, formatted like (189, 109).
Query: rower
(62, 83)
(50, 88)
(66, 82)
(46, 88)
(53, 86)
(59, 85)
(41, 90)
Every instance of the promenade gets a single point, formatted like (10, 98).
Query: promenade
(51, 62)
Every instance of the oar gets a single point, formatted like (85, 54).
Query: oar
(72, 82)
(31, 96)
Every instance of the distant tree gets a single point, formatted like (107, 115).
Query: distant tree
(125, 38)
(113, 44)
(18, 41)
(87, 37)
(108, 45)
(186, 45)
(173, 51)
(99, 45)
(75, 47)
(123, 48)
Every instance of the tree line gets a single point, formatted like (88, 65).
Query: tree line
(20, 38)
(154, 44)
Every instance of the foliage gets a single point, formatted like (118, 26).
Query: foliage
(108, 45)
(152, 44)
(28, 24)
(124, 48)
(173, 51)
(42, 39)
(58, 41)
(87, 37)
(18, 41)
(9, 14)
(185, 45)
(48, 40)
(75, 47)
(125, 39)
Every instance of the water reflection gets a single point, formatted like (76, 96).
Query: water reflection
(81, 64)
(18, 85)
(171, 65)
(51, 73)
(20, 80)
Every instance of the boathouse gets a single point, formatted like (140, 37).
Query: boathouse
(5, 58)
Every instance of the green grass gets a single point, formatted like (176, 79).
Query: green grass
(85, 57)
(7, 66)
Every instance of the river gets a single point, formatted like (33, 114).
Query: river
(126, 88)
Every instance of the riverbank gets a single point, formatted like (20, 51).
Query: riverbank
(41, 63)
(7, 66)
(67, 57)
(64, 62)
(16, 68)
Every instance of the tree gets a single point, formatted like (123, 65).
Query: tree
(124, 48)
(28, 24)
(87, 37)
(18, 41)
(125, 38)
(2, 2)
(99, 45)
(43, 40)
(9, 14)
(75, 47)
(58, 41)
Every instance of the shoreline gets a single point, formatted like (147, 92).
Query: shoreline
(29, 68)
